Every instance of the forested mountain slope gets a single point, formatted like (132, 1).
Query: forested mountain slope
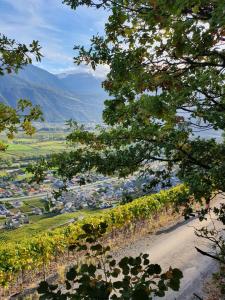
(76, 96)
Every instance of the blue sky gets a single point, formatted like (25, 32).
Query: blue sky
(57, 27)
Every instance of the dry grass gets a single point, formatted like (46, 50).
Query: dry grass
(120, 239)
(212, 290)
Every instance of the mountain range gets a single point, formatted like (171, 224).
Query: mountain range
(77, 96)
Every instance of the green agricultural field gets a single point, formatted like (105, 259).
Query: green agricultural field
(42, 143)
(2, 220)
(40, 224)
(36, 202)
(27, 206)
(36, 148)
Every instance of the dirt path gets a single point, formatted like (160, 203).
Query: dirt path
(175, 246)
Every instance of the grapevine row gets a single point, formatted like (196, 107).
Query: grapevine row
(36, 253)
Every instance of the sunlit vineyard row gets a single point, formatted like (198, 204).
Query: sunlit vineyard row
(37, 253)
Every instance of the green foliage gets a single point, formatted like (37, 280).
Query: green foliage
(166, 84)
(126, 198)
(37, 252)
(14, 56)
(131, 278)
(21, 117)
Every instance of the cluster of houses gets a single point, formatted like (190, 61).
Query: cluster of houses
(100, 195)
(11, 186)
(83, 192)
(4, 211)
(13, 220)
(16, 221)
(19, 188)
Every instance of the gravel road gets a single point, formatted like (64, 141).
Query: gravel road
(175, 246)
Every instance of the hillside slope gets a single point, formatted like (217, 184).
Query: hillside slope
(60, 98)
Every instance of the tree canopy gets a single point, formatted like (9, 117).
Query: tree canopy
(166, 85)
(14, 56)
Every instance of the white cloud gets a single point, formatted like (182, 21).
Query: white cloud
(100, 72)
(30, 14)
(55, 54)
(56, 27)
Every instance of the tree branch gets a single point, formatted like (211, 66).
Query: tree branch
(209, 255)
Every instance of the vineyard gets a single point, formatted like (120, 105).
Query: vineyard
(35, 255)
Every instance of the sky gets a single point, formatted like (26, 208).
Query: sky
(57, 28)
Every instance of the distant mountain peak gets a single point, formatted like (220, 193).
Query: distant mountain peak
(75, 95)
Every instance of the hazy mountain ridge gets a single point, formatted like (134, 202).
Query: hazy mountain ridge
(76, 96)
